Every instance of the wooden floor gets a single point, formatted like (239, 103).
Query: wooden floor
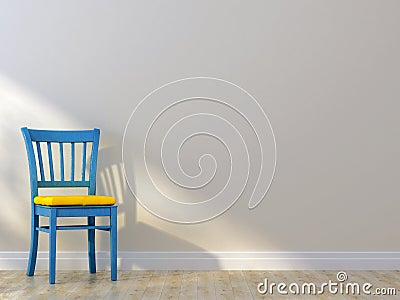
(181, 284)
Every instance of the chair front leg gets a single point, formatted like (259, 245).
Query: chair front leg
(91, 245)
(52, 245)
(113, 242)
(34, 245)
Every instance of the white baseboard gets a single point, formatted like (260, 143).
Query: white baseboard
(128, 260)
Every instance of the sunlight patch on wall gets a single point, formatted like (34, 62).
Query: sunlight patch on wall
(20, 107)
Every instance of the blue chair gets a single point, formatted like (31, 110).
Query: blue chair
(90, 205)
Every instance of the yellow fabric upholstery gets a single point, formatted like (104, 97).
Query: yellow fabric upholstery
(74, 200)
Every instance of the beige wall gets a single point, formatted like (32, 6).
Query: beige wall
(327, 73)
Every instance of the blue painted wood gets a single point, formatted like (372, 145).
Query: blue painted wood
(60, 184)
(74, 211)
(73, 161)
(40, 160)
(43, 229)
(42, 210)
(84, 161)
(34, 245)
(76, 227)
(52, 245)
(53, 212)
(83, 211)
(61, 145)
(113, 242)
(91, 244)
(50, 157)
(93, 161)
(31, 163)
(66, 136)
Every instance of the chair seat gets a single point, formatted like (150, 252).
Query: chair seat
(74, 200)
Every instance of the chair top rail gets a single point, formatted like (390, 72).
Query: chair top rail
(62, 136)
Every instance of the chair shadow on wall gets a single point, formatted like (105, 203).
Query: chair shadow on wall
(111, 181)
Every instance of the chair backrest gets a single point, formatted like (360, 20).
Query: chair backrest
(42, 164)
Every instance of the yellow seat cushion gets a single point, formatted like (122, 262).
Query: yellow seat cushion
(74, 200)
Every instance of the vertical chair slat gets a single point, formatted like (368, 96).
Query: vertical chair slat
(61, 160)
(83, 161)
(72, 161)
(39, 153)
(50, 156)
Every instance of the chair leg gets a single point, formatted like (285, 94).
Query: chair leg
(113, 242)
(34, 245)
(91, 245)
(52, 246)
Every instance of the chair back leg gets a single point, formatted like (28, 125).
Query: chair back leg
(91, 245)
(34, 245)
(52, 245)
(113, 242)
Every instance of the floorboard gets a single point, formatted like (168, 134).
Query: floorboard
(185, 285)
